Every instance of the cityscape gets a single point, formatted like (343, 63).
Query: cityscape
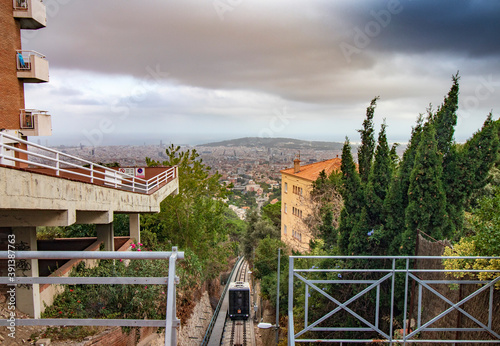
(249, 173)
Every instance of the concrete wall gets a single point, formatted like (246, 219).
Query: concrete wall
(197, 324)
(31, 199)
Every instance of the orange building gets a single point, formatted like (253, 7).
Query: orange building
(296, 186)
(18, 66)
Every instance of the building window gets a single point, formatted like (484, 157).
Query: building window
(286, 187)
(297, 190)
(297, 212)
(284, 229)
(286, 209)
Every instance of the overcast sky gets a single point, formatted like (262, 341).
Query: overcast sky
(185, 71)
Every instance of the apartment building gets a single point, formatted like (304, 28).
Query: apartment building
(17, 67)
(296, 187)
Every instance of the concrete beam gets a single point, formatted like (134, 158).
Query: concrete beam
(29, 190)
(106, 234)
(94, 217)
(34, 217)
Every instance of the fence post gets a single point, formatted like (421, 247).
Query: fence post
(57, 164)
(171, 323)
(291, 331)
(92, 173)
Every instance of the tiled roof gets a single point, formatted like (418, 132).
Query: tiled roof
(312, 171)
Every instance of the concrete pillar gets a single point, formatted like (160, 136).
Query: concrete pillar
(27, 299)
(106, 234)
(135, 227)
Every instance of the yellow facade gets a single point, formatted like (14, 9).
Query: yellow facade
(296, 187)
(294, 193)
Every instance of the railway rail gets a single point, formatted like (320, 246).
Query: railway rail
(229, 332)
(237, 332)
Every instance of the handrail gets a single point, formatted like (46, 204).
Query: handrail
(26, 117)
(20, 4)
(96, 172)
(171, 323)
(377, 280)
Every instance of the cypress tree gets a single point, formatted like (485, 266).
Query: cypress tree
(444, 122)
(396, 200)
(327, 231)
(380, 179)
(352, 195)
(445, 119)
(358, 239)
(478, 156)
(367, 147)
(426, 209)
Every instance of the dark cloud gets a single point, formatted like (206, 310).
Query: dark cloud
(287, 50)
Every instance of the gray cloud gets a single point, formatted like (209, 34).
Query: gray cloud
(288, 51)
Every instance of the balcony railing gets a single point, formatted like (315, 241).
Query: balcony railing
(24, 58)
(32, 14)
(34, 122)
(52, 162)
(27, 117)
(32, 66)
(20, 5)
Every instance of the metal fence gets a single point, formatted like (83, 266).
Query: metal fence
(395, 277)
(59, 162)
(171, 323)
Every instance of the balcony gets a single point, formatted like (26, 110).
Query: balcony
(32, 66)
(30, 13)
(34, 122)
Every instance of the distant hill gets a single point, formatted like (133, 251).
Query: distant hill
(276, 143)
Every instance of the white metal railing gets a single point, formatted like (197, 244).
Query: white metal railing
(59, 162)
(171, 323)
(323, 285)
(23, 58)
(27, 117)
(20, 4)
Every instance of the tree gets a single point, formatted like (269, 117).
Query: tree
(426, 209)
(325, 198)
(195, 217)
(365, 151)
(272, 212)
(397, 197)
(484, 240)
(326, 230)
(257, 229)
(352, 195)
(379, 182)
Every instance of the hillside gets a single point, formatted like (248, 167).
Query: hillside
(289, 143)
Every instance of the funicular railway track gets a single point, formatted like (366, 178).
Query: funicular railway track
(239, 329)
(232, 323)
